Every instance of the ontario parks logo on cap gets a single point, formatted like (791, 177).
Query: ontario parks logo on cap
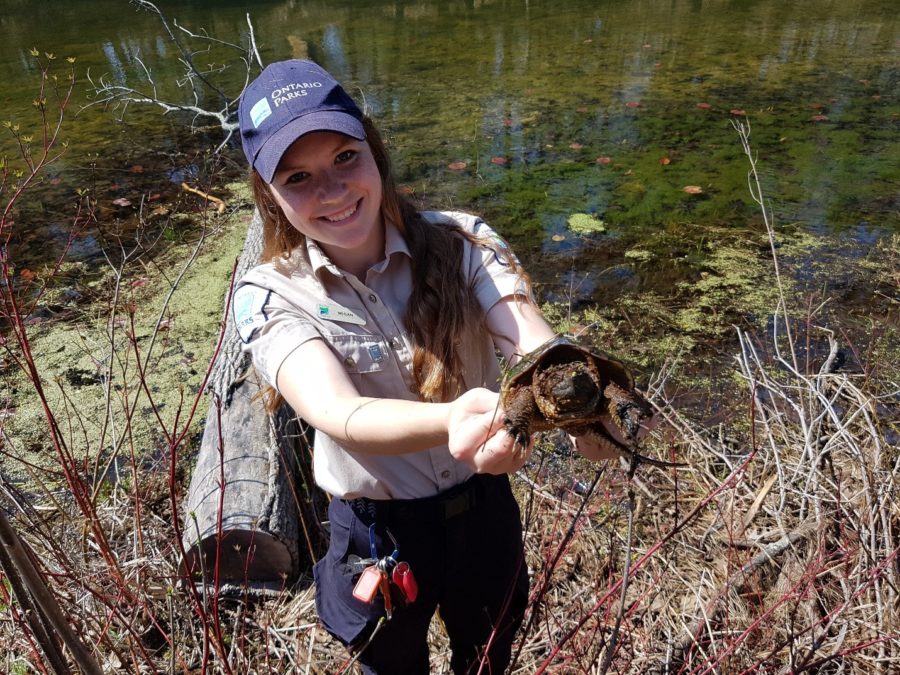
(259, 112)
(292, 90)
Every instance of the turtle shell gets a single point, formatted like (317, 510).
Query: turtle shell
(581, 391)
(558, 350)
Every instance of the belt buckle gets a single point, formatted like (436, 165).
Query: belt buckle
(456, 505)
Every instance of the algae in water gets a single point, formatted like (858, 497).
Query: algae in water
(585, 224)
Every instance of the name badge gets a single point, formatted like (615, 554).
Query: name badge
(334, 312)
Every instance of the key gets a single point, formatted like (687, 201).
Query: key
(403, 579)
(385, 586)
(369, 584)
(356, 565)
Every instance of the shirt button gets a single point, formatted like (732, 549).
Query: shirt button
(349, 362)
(373, 297)
(392, 343)
(445, 474)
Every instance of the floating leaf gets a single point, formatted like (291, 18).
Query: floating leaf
(602, 160)
(136, 168)
(575, 146)
(153, 197)
(456, 166)
(140, 282)
(499, 161)
(820, 118)
(27, 274)
(406, 190)
(581, 109)
(738, 112)
(121, 201)
(633, 104)
(703, 105)
(693, 189)
(507, 121)
(585, 223)
(55, 181)
(665, 161)
(558, 237)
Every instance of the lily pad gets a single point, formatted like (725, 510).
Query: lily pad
(585, 223)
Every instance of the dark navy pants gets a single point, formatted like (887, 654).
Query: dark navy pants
(465, 549)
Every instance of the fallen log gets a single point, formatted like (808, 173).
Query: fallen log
(241, 519)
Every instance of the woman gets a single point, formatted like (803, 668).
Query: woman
(379, 326)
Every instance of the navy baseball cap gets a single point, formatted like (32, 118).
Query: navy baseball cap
(287, 100)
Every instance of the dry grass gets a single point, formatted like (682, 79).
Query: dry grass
(774, 551)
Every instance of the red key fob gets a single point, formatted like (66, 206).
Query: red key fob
(403, 579)
(367, 586)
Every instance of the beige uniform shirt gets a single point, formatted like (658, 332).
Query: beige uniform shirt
(279, 306)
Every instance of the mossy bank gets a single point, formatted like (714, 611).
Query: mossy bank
(121, 374)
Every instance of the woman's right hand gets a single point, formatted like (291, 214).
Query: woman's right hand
(477, 437)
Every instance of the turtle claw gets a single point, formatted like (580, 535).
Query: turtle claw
(520, 448)
(521, 439)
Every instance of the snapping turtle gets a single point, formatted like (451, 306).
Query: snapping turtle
(562, 384)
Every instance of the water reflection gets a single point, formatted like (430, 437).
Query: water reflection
(550, 88)
(114, 64)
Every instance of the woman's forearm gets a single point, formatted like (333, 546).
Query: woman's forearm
(318, 388)
(382, 426)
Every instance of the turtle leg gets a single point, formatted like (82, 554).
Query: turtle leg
(520, 411)
(628, 409)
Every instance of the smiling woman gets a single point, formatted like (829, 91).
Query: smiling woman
(379, 325)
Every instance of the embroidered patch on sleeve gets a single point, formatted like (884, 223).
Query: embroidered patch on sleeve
(482, 229)
(249, 308)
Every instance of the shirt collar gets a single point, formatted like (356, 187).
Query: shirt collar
(393, 243)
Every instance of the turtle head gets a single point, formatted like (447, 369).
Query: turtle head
(568, 390)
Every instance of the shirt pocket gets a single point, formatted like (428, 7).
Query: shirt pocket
(360, 354)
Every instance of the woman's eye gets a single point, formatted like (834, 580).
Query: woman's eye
(297, 177)
(345, 156)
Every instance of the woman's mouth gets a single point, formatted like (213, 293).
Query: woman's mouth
(343, 215)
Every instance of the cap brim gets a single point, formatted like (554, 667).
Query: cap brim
(271, 152)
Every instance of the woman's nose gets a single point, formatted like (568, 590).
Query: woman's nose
(332, 187)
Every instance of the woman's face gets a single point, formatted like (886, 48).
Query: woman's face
(329, 188)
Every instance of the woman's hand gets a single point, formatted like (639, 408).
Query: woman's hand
(592, 449)
(477, 436)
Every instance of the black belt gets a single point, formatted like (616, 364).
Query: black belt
(449, 504)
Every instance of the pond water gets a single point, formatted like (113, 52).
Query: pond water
(550, 107)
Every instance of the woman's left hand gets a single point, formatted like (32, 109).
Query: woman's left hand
(591, 449)
(477, 436)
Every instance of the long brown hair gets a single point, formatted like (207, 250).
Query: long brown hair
(442, 307)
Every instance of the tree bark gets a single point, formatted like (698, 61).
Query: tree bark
(247, 534)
